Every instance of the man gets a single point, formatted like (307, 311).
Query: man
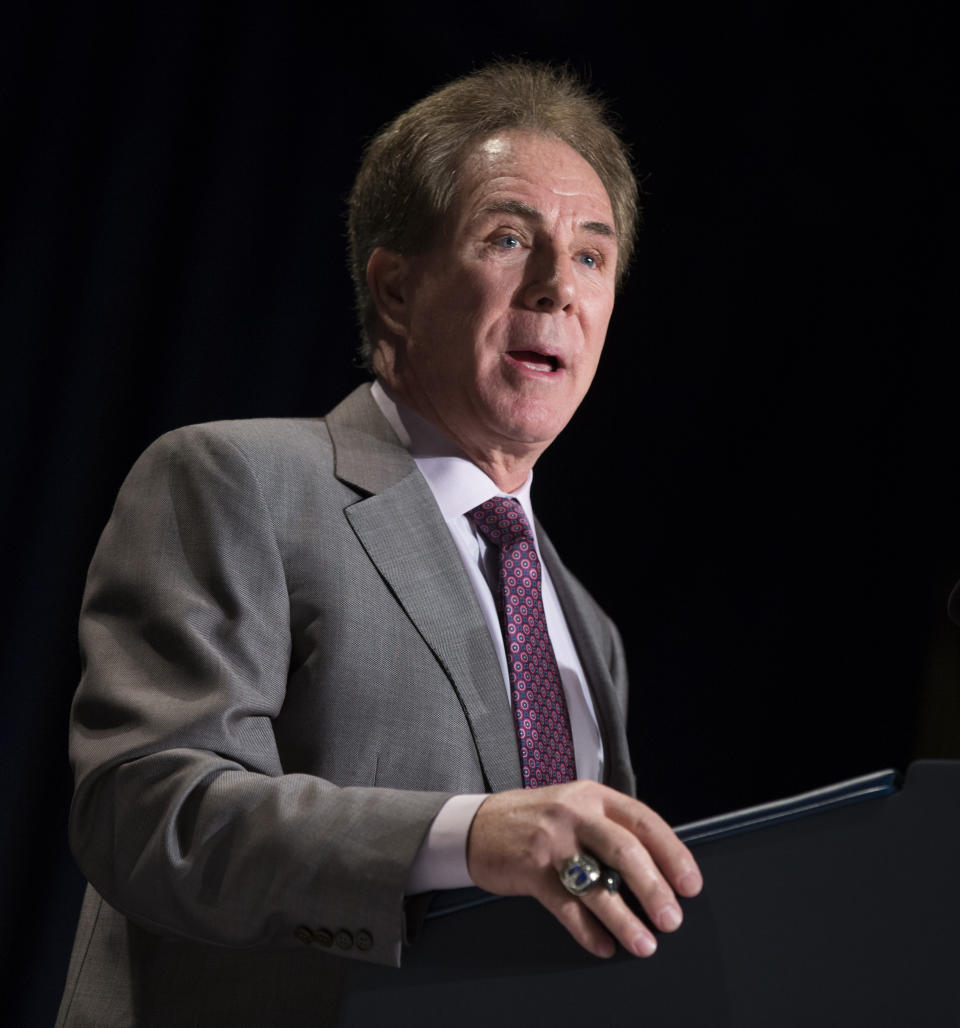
(297, 708)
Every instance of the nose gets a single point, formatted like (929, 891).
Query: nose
(551, 287)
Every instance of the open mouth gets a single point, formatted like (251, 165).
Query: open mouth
(535, 360)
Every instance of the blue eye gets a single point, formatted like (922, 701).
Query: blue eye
(588, 260)
(508, 242)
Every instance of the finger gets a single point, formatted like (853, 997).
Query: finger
(621, 850)
(610, 909)
(668, 852)
(578, 921)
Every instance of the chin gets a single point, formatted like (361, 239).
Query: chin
(529, 428)
(525, 417)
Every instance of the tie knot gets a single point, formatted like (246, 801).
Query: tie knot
(502, 521)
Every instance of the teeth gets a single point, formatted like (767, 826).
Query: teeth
(542, 362)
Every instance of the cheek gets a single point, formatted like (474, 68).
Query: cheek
(595, 330)
(464, 315)
(487, 293)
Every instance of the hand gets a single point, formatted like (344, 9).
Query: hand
(520, 839)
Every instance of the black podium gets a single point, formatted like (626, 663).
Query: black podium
(840, 907)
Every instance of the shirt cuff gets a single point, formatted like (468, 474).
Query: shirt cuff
(441, 861)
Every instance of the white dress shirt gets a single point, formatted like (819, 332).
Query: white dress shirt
(458, 486)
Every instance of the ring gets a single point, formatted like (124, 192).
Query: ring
(611, 879)
(580, 874)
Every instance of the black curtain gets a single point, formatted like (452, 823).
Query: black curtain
(770, 440)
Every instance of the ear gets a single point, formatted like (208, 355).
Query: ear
(387, 280)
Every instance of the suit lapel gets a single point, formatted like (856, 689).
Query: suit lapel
(618, 771)
(403, 532)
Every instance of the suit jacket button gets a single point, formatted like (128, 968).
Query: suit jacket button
(364, 940)
(304, 934)
(323, 937)
(344, 939)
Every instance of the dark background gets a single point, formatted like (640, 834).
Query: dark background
(770, 439)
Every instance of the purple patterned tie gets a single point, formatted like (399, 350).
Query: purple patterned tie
(543, 725)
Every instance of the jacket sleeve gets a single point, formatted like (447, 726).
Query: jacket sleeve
(183, 818)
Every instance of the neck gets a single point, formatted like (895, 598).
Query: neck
(509, 473)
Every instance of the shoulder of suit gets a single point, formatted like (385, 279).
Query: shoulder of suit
(284, 464)
(285, 456)
(274, 439)
(255, 439)
(256, 431)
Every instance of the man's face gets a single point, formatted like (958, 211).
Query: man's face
(507, 313)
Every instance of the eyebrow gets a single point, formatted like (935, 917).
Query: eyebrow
(526, 210)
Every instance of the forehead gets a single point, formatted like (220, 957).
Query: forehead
(527, 166)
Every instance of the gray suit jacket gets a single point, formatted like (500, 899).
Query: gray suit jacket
(286, 675)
